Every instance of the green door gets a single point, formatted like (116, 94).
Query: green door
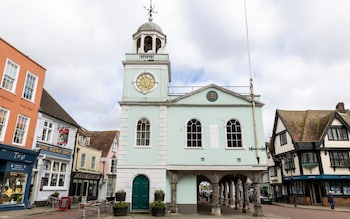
(140, 191)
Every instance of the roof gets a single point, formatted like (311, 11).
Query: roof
(309, 125)
(150, 26)
(102, 140)
(49, 106)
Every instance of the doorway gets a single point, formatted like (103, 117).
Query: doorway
(140, 193)
(315, 194)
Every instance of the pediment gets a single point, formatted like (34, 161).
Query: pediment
(214, 95)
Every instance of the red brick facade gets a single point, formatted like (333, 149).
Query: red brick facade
(14, 101)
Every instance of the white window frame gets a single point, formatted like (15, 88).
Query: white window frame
(194, 138)
(4, 117)
(234, 134)
(57, 172)
(12, 84)
(143, 133)
(31, 87)
(47, 132)
(20, 132)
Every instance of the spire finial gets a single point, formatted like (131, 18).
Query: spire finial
(150, 11)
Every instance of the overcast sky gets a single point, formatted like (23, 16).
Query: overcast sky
(300, 50)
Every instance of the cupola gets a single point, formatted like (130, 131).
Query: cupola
(149, 37)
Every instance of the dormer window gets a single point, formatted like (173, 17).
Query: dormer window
(337, 133)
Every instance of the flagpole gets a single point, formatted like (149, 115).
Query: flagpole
(251, 89)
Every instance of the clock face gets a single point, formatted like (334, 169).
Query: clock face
(145, 82)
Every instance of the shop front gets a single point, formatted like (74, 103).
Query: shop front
(16, 166)
(85, 184)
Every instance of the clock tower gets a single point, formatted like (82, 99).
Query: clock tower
(147, 68)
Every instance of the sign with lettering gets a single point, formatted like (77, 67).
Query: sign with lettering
(79, 175)
(17, 154)
(55, 151)
(18, 167)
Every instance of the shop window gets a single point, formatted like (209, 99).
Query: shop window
(338, 188)
(55, 174)
(346, 190)
(12, 187)
(299, 187)
(53, 181)
(61, 180)
(46, 179)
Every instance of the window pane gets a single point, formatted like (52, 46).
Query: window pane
(10, 76)
(3, 122)
(143, 133)
(233, 132)
(20, 130)
(61, 180)
(54, 178)
(29, 87)
(63, 167)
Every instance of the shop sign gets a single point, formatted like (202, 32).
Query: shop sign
(55, 151)
(6, 154)
(63, 136)
(17, 167)
(86, 176)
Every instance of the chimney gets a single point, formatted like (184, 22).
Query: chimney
(340, 107)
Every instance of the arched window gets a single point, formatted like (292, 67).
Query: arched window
(194, 133)
(234, 134)
(143, 133)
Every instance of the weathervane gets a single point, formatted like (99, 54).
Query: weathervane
(150, 11)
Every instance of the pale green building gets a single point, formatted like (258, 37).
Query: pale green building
(175, 141)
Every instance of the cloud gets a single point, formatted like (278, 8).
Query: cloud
(299, 49)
